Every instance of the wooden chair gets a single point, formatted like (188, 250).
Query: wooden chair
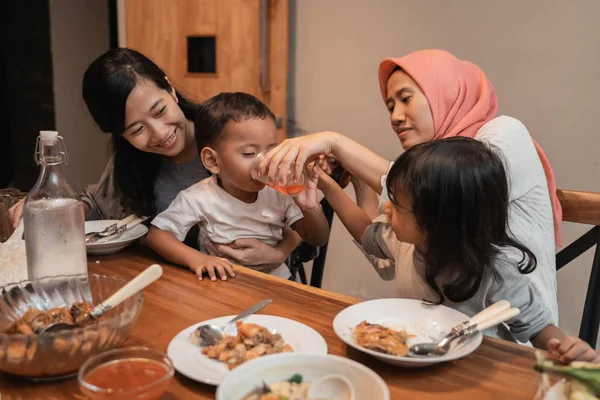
(584, 208)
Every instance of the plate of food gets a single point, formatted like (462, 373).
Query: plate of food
(386, 328)
(257, 336)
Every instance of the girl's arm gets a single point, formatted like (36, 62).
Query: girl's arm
(366, 197)
(352, 216)
(313, 227)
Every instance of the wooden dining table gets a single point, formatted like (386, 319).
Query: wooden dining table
(496, 370)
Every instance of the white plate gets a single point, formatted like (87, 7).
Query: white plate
(280, 367)
(114, 243)
(188, 359)
(428, 323)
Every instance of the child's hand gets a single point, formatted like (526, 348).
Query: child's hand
(325, 181)
(212, 266)
(572, 349)
(307, 200)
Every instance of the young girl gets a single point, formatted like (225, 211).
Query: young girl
(447, 234)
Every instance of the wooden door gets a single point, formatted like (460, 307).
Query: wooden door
(244, 33)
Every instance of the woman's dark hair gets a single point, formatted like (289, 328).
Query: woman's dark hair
(215, 113)
(459, 194)
(107, 83)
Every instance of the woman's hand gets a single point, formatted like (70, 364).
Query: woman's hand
(294, 154)
(255, 253)
(15, 213)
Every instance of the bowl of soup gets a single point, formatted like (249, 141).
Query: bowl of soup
(132, 373)
(290, 375)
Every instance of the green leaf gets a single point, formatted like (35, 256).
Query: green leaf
(297, 378)
(587, 374)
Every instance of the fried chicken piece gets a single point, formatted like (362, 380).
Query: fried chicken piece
(252, 341)
(80, 310)
(380, 338)
(61, 314)
(36, 319)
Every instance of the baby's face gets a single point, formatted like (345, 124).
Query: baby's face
(242, 142)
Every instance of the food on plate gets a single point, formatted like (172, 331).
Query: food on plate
(251, 341)
(34, 320)
(382, 339)
(292, 389)
(582, 378)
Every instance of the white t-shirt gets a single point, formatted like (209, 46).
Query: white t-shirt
(222, 218)
(530, 211)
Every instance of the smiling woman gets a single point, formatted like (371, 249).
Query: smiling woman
(154, 155)
(152, 131)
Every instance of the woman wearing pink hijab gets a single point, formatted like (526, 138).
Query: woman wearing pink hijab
(430, 94)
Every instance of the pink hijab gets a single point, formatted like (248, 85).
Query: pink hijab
(461, 99)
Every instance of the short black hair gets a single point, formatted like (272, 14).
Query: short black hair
(215, 113)
(459, 193)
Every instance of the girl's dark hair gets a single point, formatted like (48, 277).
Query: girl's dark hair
(459, 194)
(215, 113)
(107, 83)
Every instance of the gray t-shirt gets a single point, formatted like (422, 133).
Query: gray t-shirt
(409, 271)
(173, 178)
(104, 201)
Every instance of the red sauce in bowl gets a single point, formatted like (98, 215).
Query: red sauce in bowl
(127, 375)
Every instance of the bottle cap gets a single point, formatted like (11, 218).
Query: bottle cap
(48, 135)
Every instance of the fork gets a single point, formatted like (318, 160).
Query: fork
(463, 332)
(112, 229)
(496, 313)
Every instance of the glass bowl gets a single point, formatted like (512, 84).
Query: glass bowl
(53, 355)
(131, 373)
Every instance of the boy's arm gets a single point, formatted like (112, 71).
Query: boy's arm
(168, 246)
(313, 228)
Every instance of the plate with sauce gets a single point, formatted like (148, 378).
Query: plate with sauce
(189, 361)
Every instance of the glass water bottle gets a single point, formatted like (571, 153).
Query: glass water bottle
(53, 216)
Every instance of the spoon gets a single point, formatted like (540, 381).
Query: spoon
(209, 335)
(138, 283)
(476, 324)
(331, 387)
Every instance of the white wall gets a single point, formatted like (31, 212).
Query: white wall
(79, 33)
(543, 57)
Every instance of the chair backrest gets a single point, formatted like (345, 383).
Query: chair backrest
(584, 208)
(306, 252)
